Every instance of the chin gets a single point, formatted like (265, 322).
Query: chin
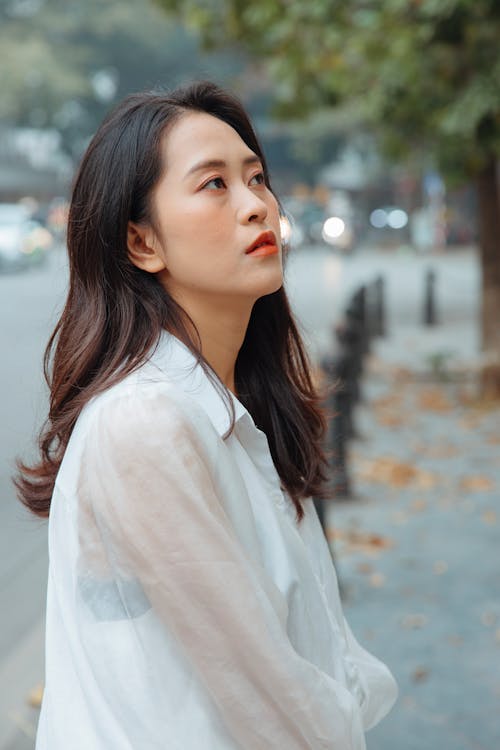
(263, 282)
(272, 286)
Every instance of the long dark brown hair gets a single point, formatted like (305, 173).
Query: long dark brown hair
(115, 312)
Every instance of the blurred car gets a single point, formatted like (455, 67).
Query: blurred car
(338, 232)
(389, 217)
(23, 241)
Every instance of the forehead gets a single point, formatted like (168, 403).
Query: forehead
(197, 136)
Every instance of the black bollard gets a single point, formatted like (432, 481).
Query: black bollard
(339, 405)
(350, 337)
(340, 371)
(357, 310)
(430, 316)
(378, 307)
(340, 476)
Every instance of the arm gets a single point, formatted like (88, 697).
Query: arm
(148, 477)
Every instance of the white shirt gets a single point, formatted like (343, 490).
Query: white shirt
(186, 609)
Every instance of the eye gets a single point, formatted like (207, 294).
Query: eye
(214, 179)
(262, 179)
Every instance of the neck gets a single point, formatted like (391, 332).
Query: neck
(222, 332)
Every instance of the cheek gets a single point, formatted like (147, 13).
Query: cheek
(197, 225)
(199, 250)
(273, 208)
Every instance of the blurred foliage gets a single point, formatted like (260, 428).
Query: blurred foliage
(66, 62)
(423, 74)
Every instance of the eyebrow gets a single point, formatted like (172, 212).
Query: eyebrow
(209, 163)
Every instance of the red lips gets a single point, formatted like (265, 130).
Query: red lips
(266, 238)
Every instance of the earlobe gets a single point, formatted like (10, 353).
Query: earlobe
(142, 248)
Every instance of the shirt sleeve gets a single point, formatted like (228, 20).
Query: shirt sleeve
(380, 687)
(148, 476)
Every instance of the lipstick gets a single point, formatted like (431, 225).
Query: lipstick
(264, 244)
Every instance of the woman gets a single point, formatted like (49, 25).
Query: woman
(192, 603)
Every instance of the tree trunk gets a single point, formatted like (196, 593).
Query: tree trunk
(489, 247)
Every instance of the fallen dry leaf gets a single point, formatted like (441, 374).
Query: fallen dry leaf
(473, 400)
(418, 505)
(489, 517)
(402, 375)
(399, 517)
(420, 674)
(455, 640)
(396, 473)
(439, 450)
(433, 399)
(488, 619)
(413, 621)
(370, 543)
(390, 419)
(476, 483)
(389, 411)
(390, 400)
(364, 568)
(471, 422)
(377, 580)
(440, 567)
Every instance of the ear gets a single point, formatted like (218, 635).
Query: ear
(144, 250)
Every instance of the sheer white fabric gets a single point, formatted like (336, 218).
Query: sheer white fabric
(186, 609)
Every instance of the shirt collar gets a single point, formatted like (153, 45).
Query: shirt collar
(181, 367)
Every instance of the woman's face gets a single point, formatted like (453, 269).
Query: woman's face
(207, 216)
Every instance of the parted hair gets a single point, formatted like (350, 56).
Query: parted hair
(114, 312)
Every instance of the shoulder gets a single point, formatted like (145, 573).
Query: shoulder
(147, 412)
(142, 416)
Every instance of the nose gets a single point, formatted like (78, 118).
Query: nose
(251, 206)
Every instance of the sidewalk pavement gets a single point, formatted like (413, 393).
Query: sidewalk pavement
(417, 548)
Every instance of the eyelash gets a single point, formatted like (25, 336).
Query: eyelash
(259, 174)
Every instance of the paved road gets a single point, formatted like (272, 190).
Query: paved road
(28, 304)
(319, 283)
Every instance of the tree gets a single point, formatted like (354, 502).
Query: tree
(66, 62)
(423, 74)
